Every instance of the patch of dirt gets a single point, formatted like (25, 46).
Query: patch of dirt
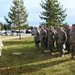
(1, 65)
(17, 53)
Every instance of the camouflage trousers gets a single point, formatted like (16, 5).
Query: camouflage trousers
(72, 49)
(37, 44)
(42, 45)
(51, 46)
(68, 47)
(60, 48)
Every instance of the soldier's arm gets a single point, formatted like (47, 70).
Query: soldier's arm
(56, 36)
(45, 32)
(65, 37)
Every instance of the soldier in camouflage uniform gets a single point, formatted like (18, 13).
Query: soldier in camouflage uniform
(54, 31)
(51, 35)
(67, 30)
(46, 42)
(43, 36)
(72, 41)
(61, 37)
(36, 38)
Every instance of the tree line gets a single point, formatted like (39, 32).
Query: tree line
(9, 27)
(53, 14)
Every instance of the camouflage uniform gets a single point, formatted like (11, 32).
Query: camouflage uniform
(67, 30)
(36, 38)
(43, 36)
(46, 42)
(61, 39)
(51, 35)
(72, 42)
(54, 31)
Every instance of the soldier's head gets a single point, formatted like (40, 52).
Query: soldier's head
(73, 26)
(40, 27)
(67, 27)
(50, 27)
(35, 28)
(59, 29)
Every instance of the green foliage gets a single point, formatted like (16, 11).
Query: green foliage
(1, 26)
(26, 26)
(53, 12)
(31, 27)
(18, 14)
(5, 27)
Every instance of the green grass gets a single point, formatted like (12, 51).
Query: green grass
(31, 61)
(8, 36)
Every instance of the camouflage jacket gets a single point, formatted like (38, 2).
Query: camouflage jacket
(68, 34)
(43, 34)
(51, 35)
(61, 37)
(36, 35)
(72, 36)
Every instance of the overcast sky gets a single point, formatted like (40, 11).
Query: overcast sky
(33, 9)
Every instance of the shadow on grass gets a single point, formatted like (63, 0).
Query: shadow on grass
(31, 68)
(29, 56)
(38, 67)
(29, 53)
(8, 43)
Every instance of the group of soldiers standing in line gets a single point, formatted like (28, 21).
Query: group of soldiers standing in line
(49, 37)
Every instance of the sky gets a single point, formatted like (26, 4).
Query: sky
(33, 9)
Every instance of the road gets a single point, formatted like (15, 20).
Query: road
(13, 37)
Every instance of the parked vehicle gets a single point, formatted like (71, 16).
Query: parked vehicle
(7, 32)
(28, 31)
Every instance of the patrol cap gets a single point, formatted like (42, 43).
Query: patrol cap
(35, 27)
(67, 25)
(60, 28)
(40, 26)
(50, 26)
(73, 24)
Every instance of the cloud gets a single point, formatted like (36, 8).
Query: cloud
(70, 5)
(33, 8)
(67, 3)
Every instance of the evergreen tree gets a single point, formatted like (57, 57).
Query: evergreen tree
(18, 14)
(1, 26)
(53, 13)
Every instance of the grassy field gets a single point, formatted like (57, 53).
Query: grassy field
(31, 61)
(9, 36)
(6, 36)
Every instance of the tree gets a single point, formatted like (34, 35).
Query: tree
(17, 15)
(1, 26)
(8, 23)
(53, 13)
